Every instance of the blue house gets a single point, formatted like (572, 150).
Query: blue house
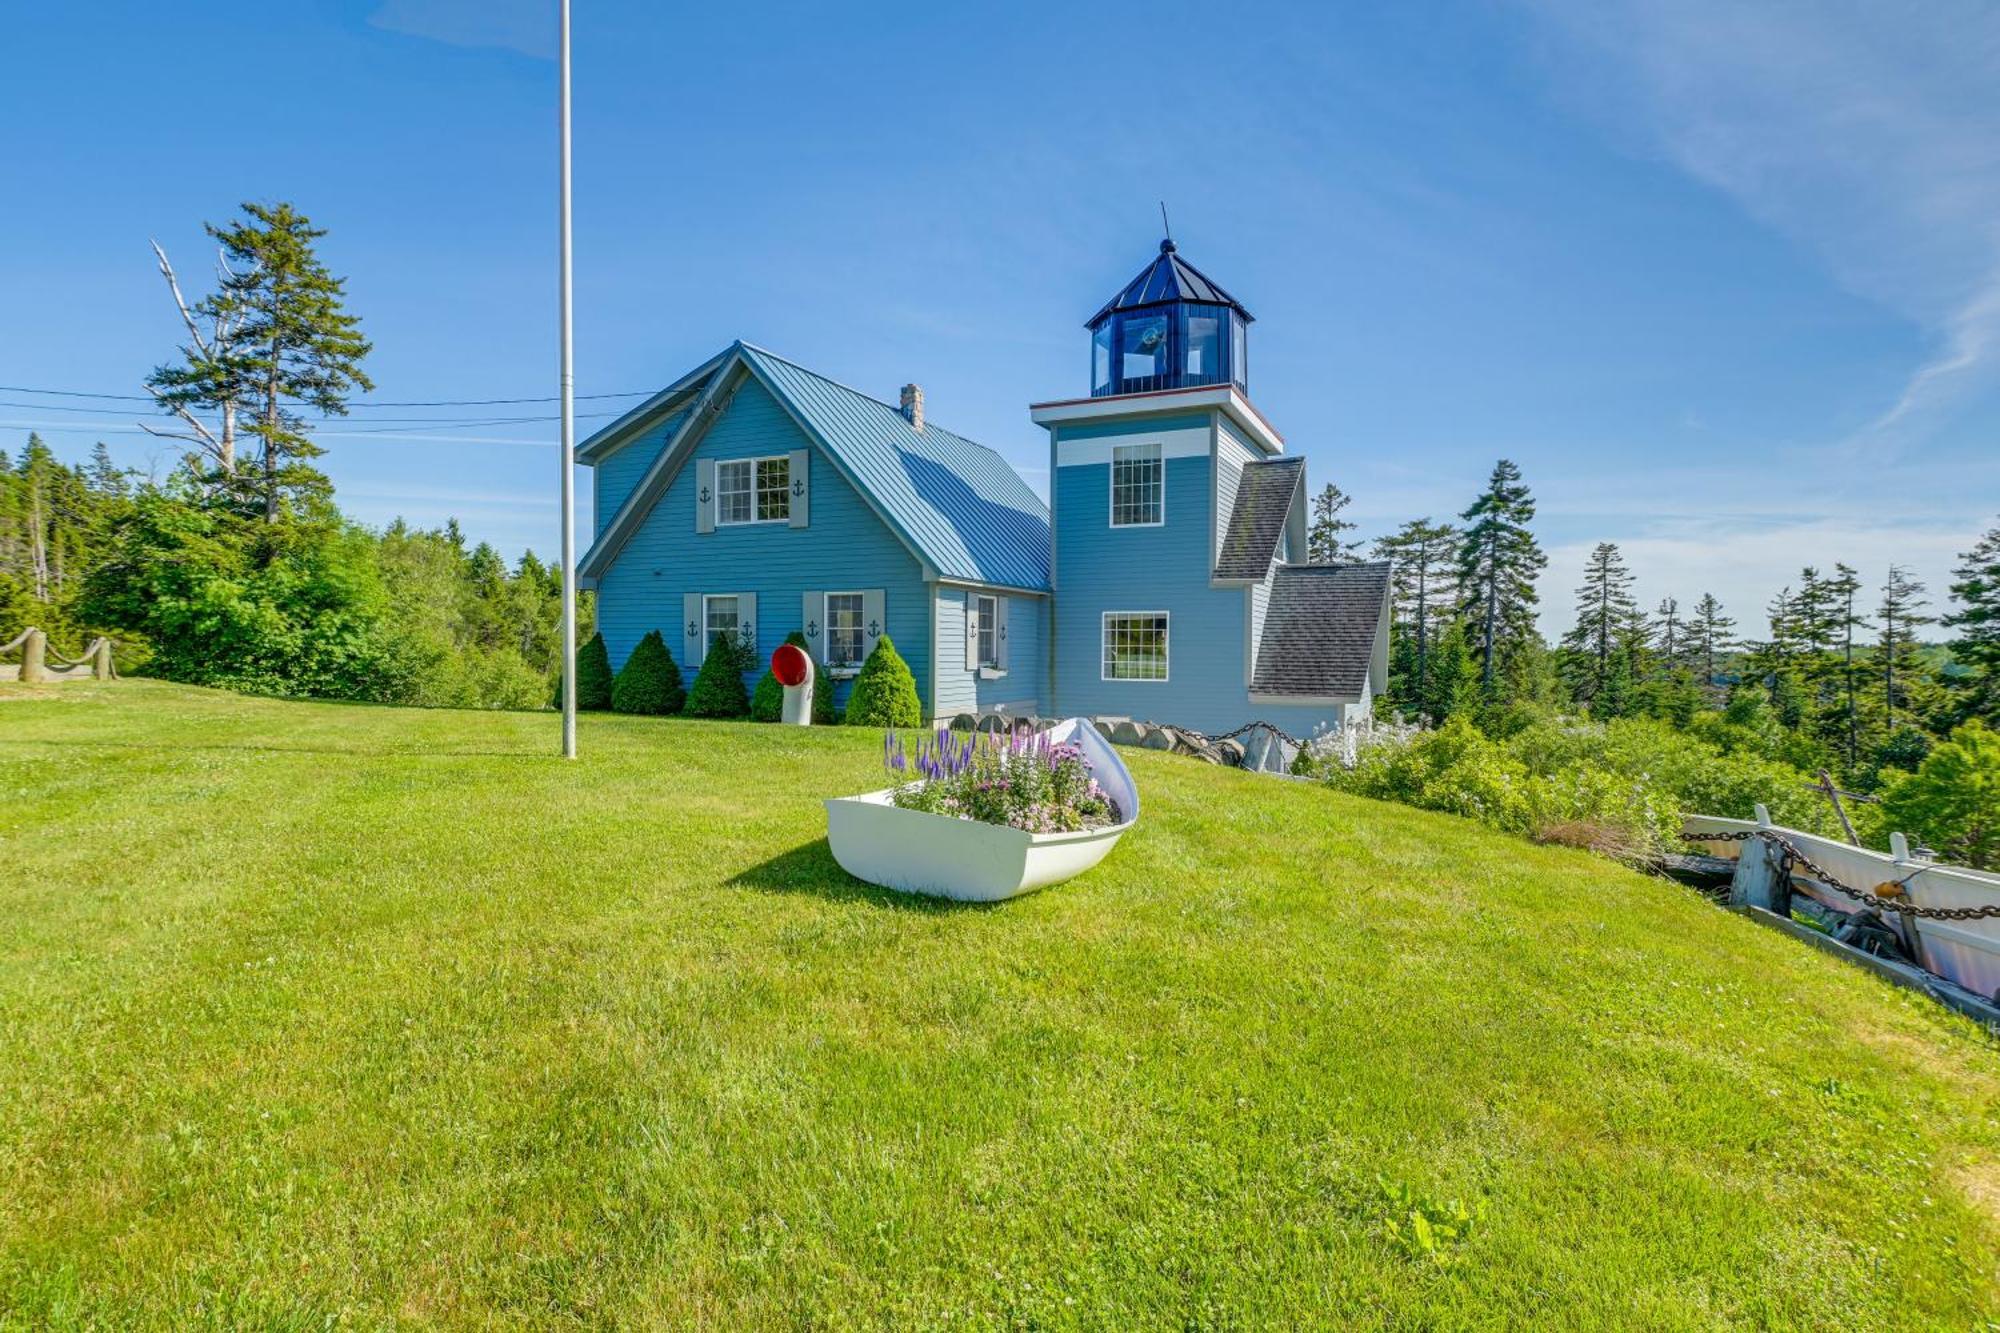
(1166, 580)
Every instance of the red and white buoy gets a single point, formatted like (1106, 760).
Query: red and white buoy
(793, 667)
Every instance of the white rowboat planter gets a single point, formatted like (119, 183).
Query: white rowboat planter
(942, 856)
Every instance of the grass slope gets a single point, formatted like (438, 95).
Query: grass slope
(310, 1010)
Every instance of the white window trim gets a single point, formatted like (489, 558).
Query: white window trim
(1111, 485)
(1104, 626)
(826, 627)
(753, 521)
(988, 670)
(707, 634)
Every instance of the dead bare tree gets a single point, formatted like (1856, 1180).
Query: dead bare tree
(209, 380)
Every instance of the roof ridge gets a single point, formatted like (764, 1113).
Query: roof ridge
(882, 403)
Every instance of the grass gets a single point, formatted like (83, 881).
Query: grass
(315, 1014)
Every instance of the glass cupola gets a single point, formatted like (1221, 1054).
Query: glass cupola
(1171, 328)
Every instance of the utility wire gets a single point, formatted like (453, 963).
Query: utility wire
(435, 402)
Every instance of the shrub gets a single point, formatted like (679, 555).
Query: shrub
(767, 701)
(649, 682)
(1952, 801)
(718, 687)
(1618, 787)
(593, 674)
(885, 693)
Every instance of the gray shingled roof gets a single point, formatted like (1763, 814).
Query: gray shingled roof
(1319, 630)
(1263, 498)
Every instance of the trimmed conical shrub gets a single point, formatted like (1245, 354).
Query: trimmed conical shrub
(649, 682)
(718, 687)
(593, 675)
(885, 693)
(767, 701)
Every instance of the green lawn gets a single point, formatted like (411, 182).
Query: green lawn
(316, 1014)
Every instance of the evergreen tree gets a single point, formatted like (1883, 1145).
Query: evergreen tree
(1708, 634)
(1422, 554)
(1669, 633)
(1846, 720)
(105, 477)
(1326, 542)
(1498, 560)
(294, 345)
(884, 693)
(1901, 612)
(1975, 593)
(593, 676)
(718, 687)
(1453, 687)
(1604, 611)
(649, 682)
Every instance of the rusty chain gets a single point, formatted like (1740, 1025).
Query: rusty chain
(1819, 873)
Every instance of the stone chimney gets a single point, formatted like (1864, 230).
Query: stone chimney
(913, 405)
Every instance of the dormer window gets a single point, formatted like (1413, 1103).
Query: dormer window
(1138, 486)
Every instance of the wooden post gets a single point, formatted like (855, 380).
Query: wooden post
(1833, 795)
(34, 653)
(1757, 882)
(100, 658)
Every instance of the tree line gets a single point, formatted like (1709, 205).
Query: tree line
(1839, 674)
(237, 568)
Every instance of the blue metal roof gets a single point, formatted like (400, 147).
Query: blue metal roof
(1167, 279)
(957, 503)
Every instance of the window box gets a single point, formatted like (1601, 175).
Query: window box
(942, 856)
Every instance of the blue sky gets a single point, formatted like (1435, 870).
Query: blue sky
(1724, 280)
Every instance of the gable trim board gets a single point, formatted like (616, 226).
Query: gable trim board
(1223, 396)
(609, 439)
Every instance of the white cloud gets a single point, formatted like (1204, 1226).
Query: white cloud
(513, 25)
(1868, 132)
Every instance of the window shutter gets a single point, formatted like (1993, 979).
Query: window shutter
(971, 630)
(704, 495)
(746, 621)
(874, 620)
(1000, 634)
(692, 638)
(812, 617)
(801, 486)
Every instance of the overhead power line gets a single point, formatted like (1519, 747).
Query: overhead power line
(432, 402)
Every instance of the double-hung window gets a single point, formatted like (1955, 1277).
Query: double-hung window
(1135, 645)
(753, 490)
(845, 644)
(720, 615)
(989, 625)
(1138, 486)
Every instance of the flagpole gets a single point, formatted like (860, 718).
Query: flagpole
(568, 376)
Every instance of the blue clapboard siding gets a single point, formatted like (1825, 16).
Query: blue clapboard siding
(1023, 689)
(614, 477)
(1020, 690)
(1165, 568)
(845, 547)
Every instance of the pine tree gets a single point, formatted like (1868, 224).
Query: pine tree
(1975, 592)
(1841, 592)
(593, 676)
(105, 476)
(1669, 632)
(1325, 542)
(1604, 610)
(650, 681)
(884, 693)
(718, 687)
(1421, 553)
(294, 344)
(1453, 687)
(1708, 636)
(1497, 564)
(1901, 612)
